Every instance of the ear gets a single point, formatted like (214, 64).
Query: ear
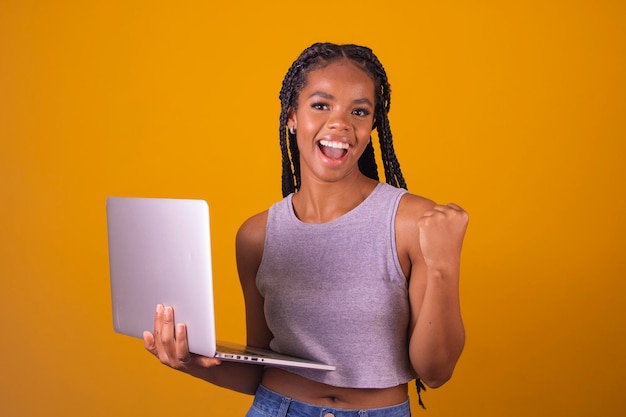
(292, 120)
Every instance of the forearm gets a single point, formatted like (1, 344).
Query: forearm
(240, 377)
(438, 335)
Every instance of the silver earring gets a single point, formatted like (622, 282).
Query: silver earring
(292, 130)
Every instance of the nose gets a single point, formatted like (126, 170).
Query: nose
(338, 121)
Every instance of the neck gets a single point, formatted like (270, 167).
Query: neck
(318, 202)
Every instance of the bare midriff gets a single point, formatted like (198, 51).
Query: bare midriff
(312, 392)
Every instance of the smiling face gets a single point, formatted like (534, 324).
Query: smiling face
(333, 121)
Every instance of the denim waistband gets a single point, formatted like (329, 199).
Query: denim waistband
(272, 404)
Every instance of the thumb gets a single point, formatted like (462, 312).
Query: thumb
(207, 362)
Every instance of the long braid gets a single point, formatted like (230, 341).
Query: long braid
(393, 174)
(287, 173)
(367, 162)
(315, 57)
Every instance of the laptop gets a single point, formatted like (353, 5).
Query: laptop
(160, 253)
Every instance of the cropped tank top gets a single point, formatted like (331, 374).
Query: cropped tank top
(335, 292)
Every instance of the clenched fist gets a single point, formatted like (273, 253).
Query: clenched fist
(442, 230)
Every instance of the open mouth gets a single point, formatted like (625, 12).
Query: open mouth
(333, 150)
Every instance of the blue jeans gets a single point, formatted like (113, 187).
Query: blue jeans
(270, 404)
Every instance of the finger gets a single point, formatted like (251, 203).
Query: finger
(159, 350)
(435, 210)
(149, 344)
(441, 208)
(158, 322)
(455, 207)
(167, 337)
(444, 209)
(182, 346)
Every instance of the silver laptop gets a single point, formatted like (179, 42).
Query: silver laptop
(160, 253)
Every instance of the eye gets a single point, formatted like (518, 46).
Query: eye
(319, 106)
(361, 112)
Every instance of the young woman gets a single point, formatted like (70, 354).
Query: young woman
(344, 270)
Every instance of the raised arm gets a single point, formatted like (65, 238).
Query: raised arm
(432, 236)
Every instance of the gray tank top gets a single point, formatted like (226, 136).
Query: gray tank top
(335, 292)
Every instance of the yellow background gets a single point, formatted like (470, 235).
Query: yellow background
(515, 110)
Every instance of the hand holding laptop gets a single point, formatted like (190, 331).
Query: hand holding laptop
(169, 342)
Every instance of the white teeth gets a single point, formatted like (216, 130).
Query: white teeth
(330, 144)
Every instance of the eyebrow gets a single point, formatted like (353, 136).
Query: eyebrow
(331, 97)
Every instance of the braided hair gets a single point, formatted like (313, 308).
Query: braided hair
(318, 56)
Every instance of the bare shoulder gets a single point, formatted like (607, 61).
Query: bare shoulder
(250, 242)
(411, 208)
(252, 231)
(251, 236)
